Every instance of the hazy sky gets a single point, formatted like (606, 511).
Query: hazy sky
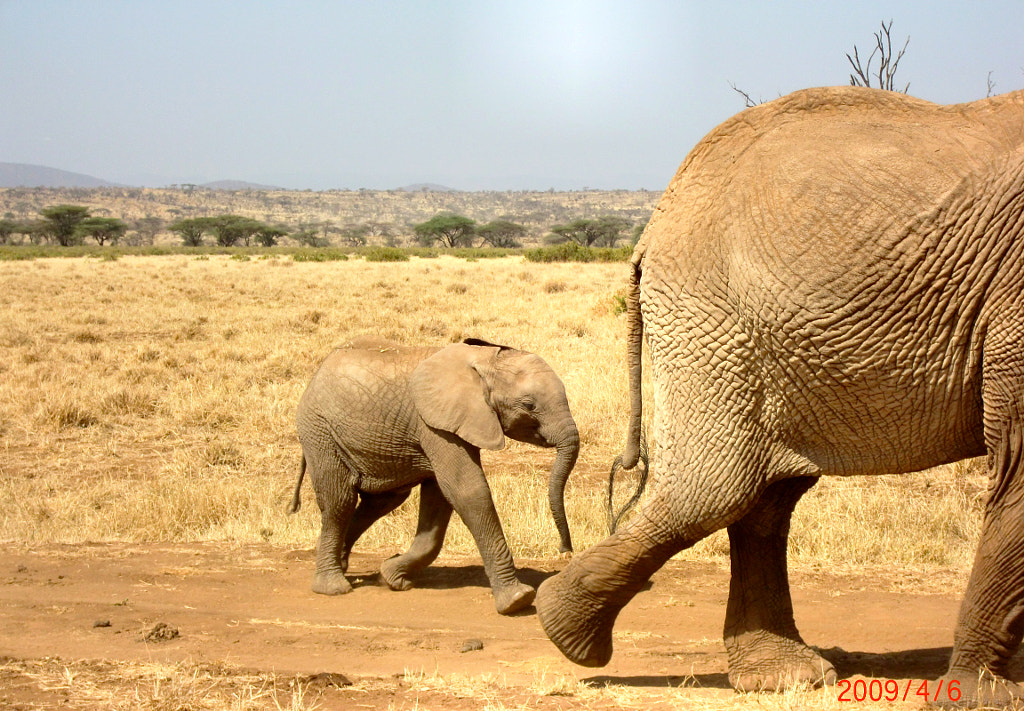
(472, 95)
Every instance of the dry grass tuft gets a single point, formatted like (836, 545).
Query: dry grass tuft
(116, 686)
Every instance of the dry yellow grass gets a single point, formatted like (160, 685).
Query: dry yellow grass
(205, 687)
(152, 398)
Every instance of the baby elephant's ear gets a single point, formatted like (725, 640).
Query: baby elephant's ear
(450, 395)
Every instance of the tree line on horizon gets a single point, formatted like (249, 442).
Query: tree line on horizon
(70, 225)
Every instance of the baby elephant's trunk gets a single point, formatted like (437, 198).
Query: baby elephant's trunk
(568, 449)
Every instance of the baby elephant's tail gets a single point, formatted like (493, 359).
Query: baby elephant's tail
(296, 503)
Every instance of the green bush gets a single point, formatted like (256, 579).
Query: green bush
(482, 252)
(574, 252)
(423, 252)
(385, 254)
(320, 255)
(19, 254)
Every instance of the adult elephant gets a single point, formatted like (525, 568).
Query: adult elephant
(833, 283)
(378, 419)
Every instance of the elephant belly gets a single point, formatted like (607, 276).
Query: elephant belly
(844, 434)
(385, 461)
(877, 393)
(398, 473)
(807, 405)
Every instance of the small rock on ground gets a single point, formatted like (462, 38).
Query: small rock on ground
(472, 645)
(162, 632)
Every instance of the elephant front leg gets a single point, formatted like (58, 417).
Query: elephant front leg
(766, 653)
(461, 481)
(991, 621)
(435, 513)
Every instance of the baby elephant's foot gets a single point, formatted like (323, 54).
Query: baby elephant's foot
(775, 663)
(395, 573)
(513, 598)
(331, 583)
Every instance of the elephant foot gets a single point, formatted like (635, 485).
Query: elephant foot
(774, 663)
(513, 598)
(574, 623)
(395, 574)
(331, 583)
(969, 690)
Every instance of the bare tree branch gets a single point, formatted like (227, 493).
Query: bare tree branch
(746, 97)
(887, 65)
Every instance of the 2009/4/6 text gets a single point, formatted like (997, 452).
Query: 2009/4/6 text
(892, 690)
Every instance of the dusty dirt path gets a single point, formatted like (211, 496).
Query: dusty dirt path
(250, 608)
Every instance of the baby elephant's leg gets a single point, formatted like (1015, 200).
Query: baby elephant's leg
(435, 513)
(336, 497)
(370, 509)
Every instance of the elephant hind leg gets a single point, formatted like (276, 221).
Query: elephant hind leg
(435, 513)
(766, 652)
(371, 508)
(578, 607)
(335, 488)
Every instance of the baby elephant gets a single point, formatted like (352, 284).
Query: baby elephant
(379, 418)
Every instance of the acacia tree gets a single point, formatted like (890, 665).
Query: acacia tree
(35, 230)
(602, 231)
(103, 229)
(501, 233)
(384, 230)
(60, 223)
(309, 237)
(191, 230)
(146, 229)
(9, 227)
(354, 235)
(268, 236)
(232, 229)
(449, 229)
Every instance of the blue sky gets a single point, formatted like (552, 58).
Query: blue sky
(473, 95)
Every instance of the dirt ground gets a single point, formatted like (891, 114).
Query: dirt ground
(249, 610)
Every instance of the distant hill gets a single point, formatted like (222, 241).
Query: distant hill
(238, 185)
(23, 175)
(428, 188)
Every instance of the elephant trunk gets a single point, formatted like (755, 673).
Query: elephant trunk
(634, 350)
(567, 449)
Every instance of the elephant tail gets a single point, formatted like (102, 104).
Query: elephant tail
(615, 518)
(296, 503)
(635, 451)
(634, 353)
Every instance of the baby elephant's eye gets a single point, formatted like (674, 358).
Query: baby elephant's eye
(529, 406)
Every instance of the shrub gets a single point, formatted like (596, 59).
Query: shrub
(320, 255)
(385, 254)
(574, 252)
(473, 253)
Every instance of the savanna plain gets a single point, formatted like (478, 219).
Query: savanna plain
(148, 452)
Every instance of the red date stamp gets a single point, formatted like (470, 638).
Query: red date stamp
(891, 690)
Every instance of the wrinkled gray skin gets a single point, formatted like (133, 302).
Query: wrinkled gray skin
(833, 283)
(378, 419)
